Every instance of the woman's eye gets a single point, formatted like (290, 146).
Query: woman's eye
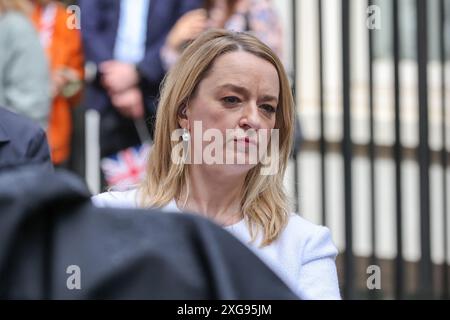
(231, 100)
(268, 108)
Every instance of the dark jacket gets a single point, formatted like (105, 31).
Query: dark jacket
(22, 142)
(121, 253)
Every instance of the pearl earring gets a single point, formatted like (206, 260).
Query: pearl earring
(186, 136)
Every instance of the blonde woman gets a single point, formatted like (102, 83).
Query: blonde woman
(226, 81)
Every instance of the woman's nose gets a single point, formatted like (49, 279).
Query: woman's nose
(250, 118)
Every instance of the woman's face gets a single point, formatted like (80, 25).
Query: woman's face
(237, 99)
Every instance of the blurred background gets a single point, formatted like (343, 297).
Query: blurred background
(371, 84)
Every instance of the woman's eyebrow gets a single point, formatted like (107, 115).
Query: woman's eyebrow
(236, 88)
(268, 98)
(244, 91)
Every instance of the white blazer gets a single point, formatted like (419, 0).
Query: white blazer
(303, 256)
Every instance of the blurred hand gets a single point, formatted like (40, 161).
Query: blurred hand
(241, 6)
(65, 82)
(129, 103)
(188, 27)
(58, 81)
(118, 76)
(218, 14)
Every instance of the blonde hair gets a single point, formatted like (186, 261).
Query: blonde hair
(264, 202)
(23, 6)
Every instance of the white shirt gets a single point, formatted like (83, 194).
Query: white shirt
(303, 255)
(132, 31)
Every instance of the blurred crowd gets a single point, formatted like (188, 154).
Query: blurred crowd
(109, 56)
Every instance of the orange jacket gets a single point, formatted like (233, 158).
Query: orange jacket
(64, 50)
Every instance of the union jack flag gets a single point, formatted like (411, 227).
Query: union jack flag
(127, 167)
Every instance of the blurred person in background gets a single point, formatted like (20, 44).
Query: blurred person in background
(22, 143)
(255, 16)
(24, 76)
(122, 43)
(65, 55)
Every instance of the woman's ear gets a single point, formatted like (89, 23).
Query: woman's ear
(183, 120)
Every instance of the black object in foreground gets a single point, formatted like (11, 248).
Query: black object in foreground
(54, 244)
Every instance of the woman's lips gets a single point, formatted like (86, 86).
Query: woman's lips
(246, 140)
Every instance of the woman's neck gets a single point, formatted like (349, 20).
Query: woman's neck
(214, 195)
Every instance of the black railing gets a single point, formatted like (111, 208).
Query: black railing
(347, 151)
(397, 154)
(422, 154)
(444, 154)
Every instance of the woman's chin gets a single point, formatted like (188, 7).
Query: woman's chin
(227, 170)
(237, 169)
